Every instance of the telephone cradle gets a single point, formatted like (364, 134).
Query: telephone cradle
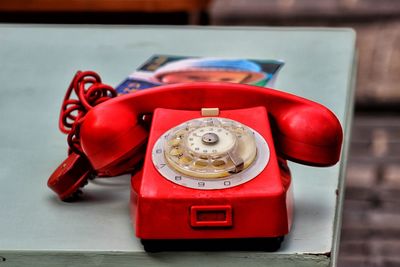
(208, 160)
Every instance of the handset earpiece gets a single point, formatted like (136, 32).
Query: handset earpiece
(113, 139)
(307, 134)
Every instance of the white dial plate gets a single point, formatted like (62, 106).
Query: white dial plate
(260, 162)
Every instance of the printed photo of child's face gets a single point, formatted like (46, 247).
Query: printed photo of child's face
(205, 76)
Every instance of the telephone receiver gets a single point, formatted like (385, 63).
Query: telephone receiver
(113, 134)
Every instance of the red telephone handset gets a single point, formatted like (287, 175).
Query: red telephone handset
(304, 131)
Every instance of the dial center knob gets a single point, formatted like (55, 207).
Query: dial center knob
(209, 139)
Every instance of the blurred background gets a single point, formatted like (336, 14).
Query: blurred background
(371, 219)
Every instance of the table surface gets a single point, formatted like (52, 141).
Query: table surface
(37, 63)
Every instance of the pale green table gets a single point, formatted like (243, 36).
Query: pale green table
(36, 65)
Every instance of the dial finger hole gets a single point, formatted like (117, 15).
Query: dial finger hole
(185, 160)
(174, 142)
(239, 131)
(180, 134)
(175, 152)
(201, 163)
(219, 163)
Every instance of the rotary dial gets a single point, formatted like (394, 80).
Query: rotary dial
(210, 153)
(210, 148)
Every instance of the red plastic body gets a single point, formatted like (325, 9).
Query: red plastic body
(112, 138)
(261, 207)
(111, 135)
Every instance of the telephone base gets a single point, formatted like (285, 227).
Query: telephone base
(267, 244)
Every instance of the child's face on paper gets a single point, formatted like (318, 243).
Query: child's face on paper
(205, 76)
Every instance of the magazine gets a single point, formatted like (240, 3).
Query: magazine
(166, 69)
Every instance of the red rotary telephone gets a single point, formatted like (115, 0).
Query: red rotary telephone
(214, 155)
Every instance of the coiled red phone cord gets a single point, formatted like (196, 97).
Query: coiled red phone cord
(90, 92)
(74, 172)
